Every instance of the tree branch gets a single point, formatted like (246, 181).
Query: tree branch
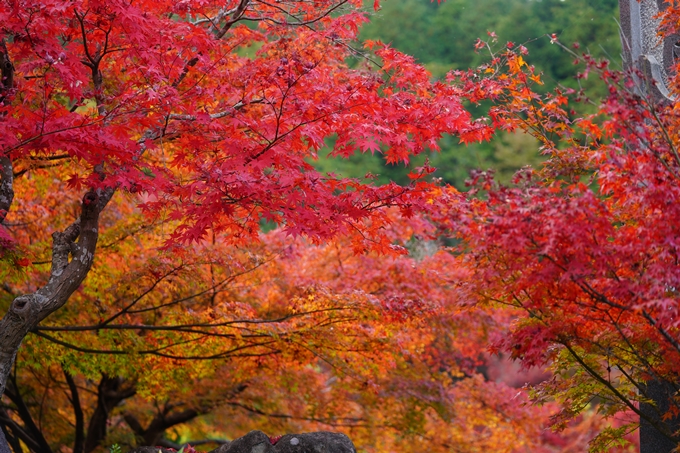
(78, 443)
(110, 392)
(627, 402)
(6, 186)
(161, 422)
(26, 311)
(6, 438)
(6, 72)
(185, 71)
(238, 13)
(20, 433)
(343, 421)
(30, 428)
(6, 170)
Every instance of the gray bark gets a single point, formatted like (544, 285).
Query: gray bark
(72, 256)
(6, 170)
(4, 446)
(6, 186)
(651, 439)
(6, 182)
(6, 72)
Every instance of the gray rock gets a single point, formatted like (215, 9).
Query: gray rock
(317, 442)
(254, 441)
(151, 450)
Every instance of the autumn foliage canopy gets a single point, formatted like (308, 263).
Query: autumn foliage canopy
(174, 268)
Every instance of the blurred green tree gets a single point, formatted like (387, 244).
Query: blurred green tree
(442, 37)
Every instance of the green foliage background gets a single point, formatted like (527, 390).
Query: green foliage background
(442, 35)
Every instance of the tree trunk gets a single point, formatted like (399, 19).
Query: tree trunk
(110, 393)
(651, 439)
(4, 446)
(29, 433)
(72, 256)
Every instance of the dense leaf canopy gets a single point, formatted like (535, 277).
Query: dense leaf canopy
(175, 267)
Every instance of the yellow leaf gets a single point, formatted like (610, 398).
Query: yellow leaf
(536, 78)
(515, 63)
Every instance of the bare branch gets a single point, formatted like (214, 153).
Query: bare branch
(297, 22)
(111, 391)
(18, 431)
(185, 71)
(341, 421)
(11, 440)
(6, 187)
(185, 327)
(26, 311)
(6, 175)
(6, 72)
(162, 421)
(213, 116)
(236, 16)
(29, 427)
(79, 442)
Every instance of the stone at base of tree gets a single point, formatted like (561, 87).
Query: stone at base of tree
(317, 442)
(151, 450)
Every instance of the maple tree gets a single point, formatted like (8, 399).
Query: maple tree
(157, 138)
(186, 114)
(585, 248)
(282, 336)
